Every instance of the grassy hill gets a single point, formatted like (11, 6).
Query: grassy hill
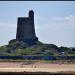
(21, 48)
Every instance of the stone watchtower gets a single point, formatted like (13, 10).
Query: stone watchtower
(26, 29)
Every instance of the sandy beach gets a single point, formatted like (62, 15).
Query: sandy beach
(35, 67)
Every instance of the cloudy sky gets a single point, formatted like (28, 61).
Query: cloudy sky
(54, 20)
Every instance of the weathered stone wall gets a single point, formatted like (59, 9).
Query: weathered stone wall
(26, 29)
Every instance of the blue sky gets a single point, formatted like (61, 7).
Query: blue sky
(54, 20)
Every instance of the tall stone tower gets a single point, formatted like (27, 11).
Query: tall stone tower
(26, 29)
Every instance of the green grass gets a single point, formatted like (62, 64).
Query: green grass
(17, 48)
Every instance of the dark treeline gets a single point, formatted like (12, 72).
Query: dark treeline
(39, 57)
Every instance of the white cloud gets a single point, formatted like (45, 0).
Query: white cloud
(58, 22)
(66, 20)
